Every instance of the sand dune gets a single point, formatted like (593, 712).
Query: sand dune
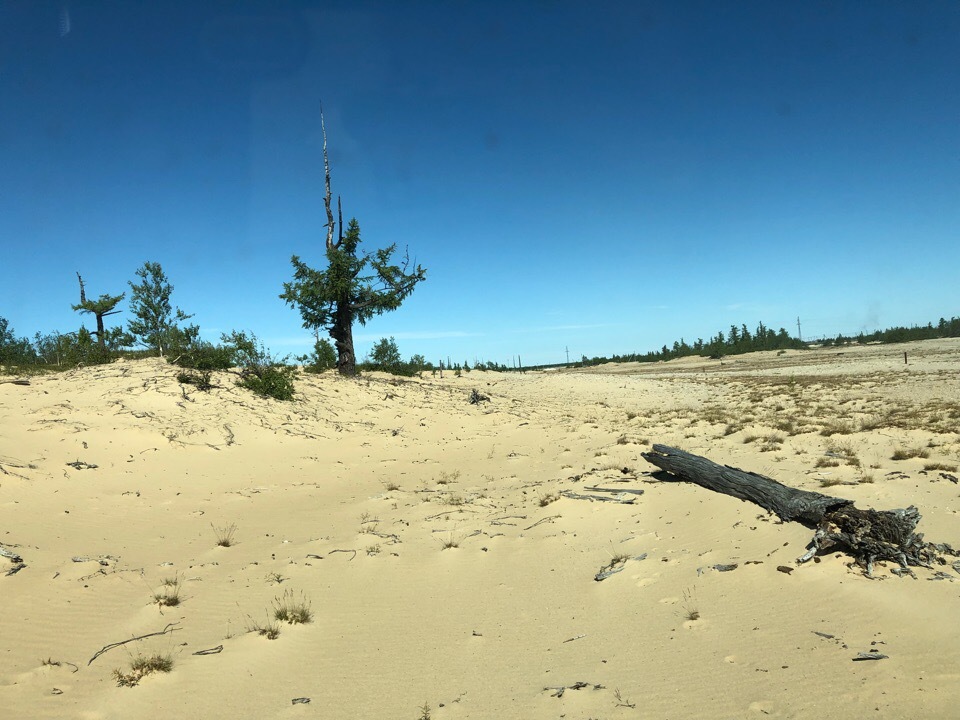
(447, 551)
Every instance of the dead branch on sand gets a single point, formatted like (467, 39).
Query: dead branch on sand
(867, 535)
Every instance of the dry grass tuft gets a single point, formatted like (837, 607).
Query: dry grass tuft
(292, 611)
(225, 534)
(905, 453)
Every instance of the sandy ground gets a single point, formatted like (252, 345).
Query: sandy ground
(443, 558)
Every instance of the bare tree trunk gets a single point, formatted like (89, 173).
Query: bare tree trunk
(867, 535)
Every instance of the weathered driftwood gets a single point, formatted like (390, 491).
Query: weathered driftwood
(867, 535)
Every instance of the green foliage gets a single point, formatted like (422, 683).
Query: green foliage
(385, 355)
(155, 324)
(14, 350)
(259, 370)
(353, 288)
(201, 379)
(324, 357)
(201, 355)
(99, 308)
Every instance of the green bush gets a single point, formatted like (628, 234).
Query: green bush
(200, 355)
(324, 357)
(275, 381)
(200, 379)
(259, 370)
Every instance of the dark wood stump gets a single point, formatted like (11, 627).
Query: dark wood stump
(867, 535)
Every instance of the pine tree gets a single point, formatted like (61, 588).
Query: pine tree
(335, 298)
(155, 324)
(99, 308)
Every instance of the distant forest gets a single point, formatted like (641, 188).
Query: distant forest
(739, 340)
(57, 351)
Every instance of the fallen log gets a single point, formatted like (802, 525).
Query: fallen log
(868, 536)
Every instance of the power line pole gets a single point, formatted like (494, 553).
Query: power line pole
(799, 334)
(568, 355)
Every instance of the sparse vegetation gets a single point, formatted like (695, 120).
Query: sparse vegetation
(906, 453)
(448, 477)
(548, 498)
(269, 629)
(690, 610)
(930, 467)
(169, 595)
(225, 534)
(200, 379)
(449, 542)
(291, 610)
(140, 667)
(620, 701)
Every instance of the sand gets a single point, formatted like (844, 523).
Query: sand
(445, 558)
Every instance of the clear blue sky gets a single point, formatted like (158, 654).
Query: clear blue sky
(604, 176)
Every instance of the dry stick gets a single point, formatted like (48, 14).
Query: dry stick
(27, 382)
(546, 519)
(111, 646)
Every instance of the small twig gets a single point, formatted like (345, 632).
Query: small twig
(344, 551)
(111, 646)
(574, 638)
(210, 651)
(550, 519)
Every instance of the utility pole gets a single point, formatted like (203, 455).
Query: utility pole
(799, 334)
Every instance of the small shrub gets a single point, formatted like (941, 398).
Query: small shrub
(825, 462)
(200, 379)
(448, 477)
(450, 542)
(904, 453)
(140, 667)
(169, 596)
(259, 370)
(548, 498)
(275, 382)
(269, 630)
(224, 534)
(200, 355)
(292, 611)
(940, 466)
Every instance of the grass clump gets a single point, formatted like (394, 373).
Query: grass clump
(225, 534)
(940, 466)
(450, 542)
(200, 379)
(905, 453)
(836, 427)
(448, 477)
(169, 596)
(140, 667)
(270, 629)
(291, 610)
(548, 498)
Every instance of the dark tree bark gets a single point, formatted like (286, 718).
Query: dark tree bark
(342, 334)
(868, 535)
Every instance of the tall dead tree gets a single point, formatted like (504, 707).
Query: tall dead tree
(868, 535)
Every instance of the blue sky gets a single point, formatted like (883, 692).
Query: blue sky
(604, 177)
